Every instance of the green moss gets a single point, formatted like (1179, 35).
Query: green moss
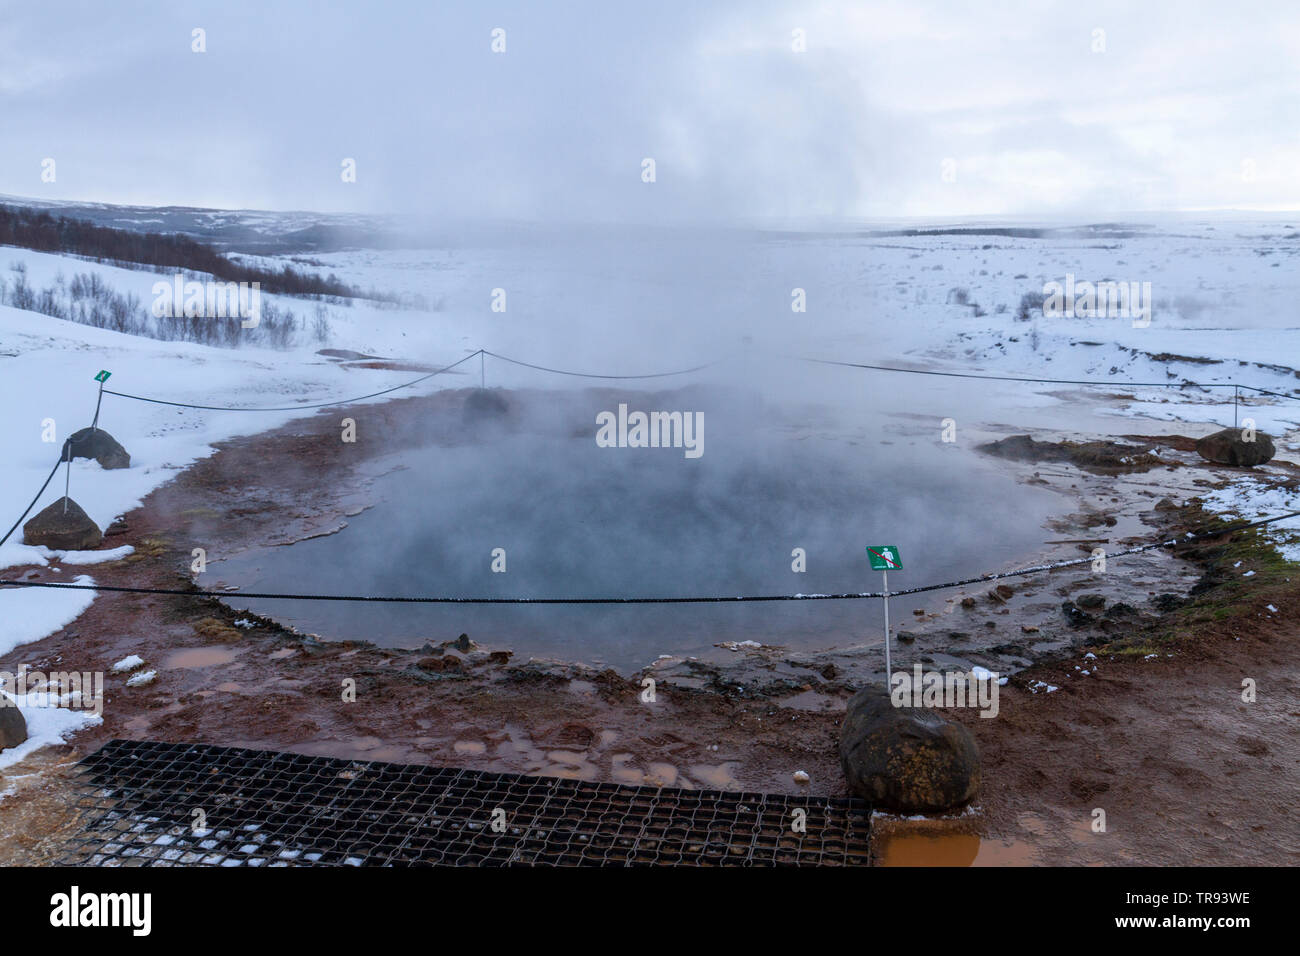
(1223, 593)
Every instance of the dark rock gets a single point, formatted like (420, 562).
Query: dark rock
(1166, 504)
(1076, 617)
(1016, 650)
(463, 644)
(484, 404)
(1227, 447)
(1099, 456)
(905, 637)
(97, 444)
(1090, 602)
(1168, 602)
(968, 602)
(60, 530)
(1120, 609)
(1024, 448)
(13, 728)
(906, 759)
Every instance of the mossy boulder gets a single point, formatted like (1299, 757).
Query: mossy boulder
(907, 759)
(1236, 446)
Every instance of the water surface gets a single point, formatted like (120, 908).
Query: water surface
(578, 520)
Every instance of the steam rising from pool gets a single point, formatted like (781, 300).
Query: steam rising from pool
(575, 519)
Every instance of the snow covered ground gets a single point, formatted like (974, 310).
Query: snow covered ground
(622, 301)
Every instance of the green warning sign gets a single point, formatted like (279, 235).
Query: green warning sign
(103, 375)
(884, 557)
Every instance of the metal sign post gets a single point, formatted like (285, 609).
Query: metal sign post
(882, 558)
(101, 378)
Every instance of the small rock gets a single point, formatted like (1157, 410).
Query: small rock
(1074, 615)
(1090, 602)
(968, 602)
(1168, 602)
(801, 776)
(13, 727)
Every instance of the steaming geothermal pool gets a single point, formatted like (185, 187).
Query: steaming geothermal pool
(579, 520)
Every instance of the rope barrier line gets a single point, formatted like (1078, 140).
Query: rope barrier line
(557, 371)
(992, 576)
(294, 408)
(1186, 383)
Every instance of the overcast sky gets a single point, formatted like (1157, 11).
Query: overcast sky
(1189, 106)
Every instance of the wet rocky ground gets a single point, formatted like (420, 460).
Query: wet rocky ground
(748, 718)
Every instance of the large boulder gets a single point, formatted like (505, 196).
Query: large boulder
(13, 728)
(1228, 447)
(61, 529)
(906, 759)
(97, 444)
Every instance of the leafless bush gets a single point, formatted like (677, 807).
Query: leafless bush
(88, 300)
(1030, 303)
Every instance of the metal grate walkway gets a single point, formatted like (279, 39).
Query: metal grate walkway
(155, 804)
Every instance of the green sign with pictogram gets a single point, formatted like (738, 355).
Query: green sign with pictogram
(103, 375)
(884, 557)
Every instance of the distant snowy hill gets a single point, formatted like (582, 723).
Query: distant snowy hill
(232, 230)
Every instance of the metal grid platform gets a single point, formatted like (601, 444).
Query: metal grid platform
(266, 808)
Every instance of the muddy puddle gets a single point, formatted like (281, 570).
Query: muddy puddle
(535, 494)
(199, 657)
(953, 849)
